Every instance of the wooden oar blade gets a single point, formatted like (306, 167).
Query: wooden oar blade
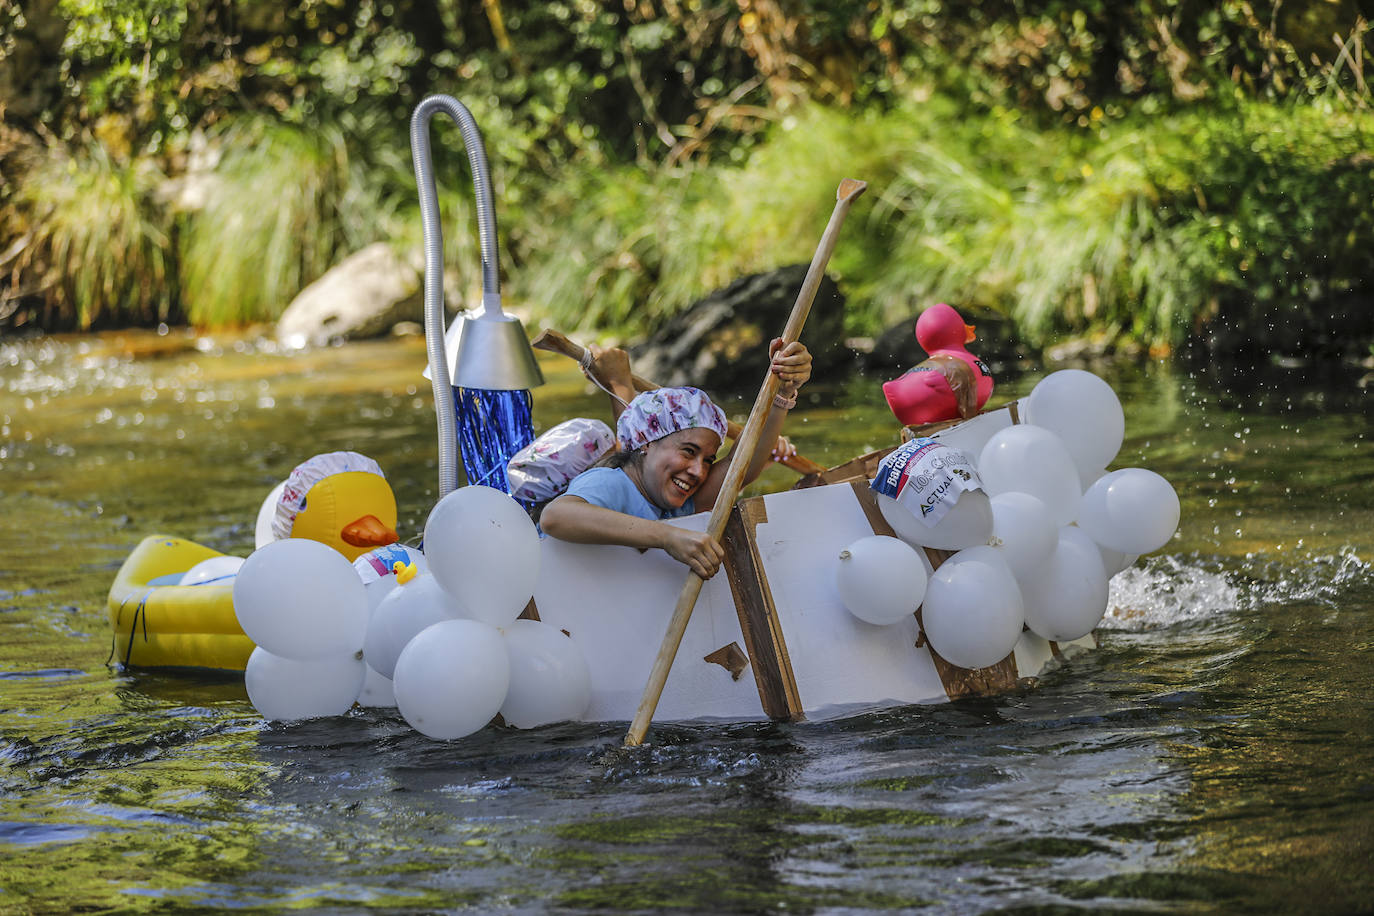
(554, 342)
(850, 188)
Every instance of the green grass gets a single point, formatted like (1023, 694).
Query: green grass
(1145, 228)
(628, 248)
(1142, 227)
(1055, 229)
(271, 223)
(99, 246)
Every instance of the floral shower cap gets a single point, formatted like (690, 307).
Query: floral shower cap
(306, 475)
(544, 468)
(664, 411)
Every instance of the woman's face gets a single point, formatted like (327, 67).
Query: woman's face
(676, 466)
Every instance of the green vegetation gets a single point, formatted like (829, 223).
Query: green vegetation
(1147, 170)
(1149, 227)
(101, 246)
(276, 194)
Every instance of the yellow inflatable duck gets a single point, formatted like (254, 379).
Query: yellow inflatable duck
(340, 499)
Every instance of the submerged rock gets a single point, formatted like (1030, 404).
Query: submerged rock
(719, 343)
(895, 350)
(364, 295)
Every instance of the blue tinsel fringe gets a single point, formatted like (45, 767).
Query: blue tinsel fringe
(492, 427)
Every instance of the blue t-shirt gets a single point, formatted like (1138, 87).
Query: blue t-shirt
(613, 489)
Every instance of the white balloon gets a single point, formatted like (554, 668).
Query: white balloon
(1088, 478)
(377, 691)
(1030, 459)
(881, 579)
(968, 523)
(401, 616)
(1026, 532)
(1114, 561)
(549, 677)
(214, 571)
(1069, 596)
(301, 599)
(289, 688)
(1083, 411)
(1131, 510)
(483, 548)
(452, 679)
(377, 592)
(972, 614)
(376, 569)
(262, 531)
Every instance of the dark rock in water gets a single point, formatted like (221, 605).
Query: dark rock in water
(1330, 324)
(720, 342)
(896, 350)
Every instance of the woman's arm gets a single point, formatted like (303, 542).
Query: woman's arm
(611, 365)
(572, 518)
(792, 365)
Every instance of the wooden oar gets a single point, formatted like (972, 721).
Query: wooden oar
(745, 444)
(555, 342)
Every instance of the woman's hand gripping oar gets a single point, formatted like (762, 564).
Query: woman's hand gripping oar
(555, 342)
(745, 444)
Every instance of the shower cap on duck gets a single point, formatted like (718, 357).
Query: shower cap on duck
(306, 475)
(664, 411)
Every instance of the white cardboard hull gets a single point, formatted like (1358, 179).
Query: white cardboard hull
(616, 603)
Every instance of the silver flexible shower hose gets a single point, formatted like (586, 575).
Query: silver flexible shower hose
(444, 408)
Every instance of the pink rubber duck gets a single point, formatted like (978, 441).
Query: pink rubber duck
(952, 383)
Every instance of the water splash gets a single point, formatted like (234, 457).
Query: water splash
(1165, 592)
(1323, 579)
(1169, 590)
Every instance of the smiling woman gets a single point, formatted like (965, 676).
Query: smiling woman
(666, 468)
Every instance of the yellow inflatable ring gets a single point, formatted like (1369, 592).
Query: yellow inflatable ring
(159, 624)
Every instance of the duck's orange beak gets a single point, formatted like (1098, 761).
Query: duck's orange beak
(368, 531)
(968, 334)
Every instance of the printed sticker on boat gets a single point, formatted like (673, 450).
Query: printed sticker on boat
(927, 477)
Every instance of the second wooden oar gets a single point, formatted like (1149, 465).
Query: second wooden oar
(556, 342)
(748, 439)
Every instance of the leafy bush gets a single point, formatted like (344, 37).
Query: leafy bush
(1151, 228)
(270, 224)
(1276, 210)
(1033, 157)
(97, 245)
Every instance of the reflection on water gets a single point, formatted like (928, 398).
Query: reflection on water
(1212, 756)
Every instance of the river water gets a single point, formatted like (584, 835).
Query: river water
(1213, 756)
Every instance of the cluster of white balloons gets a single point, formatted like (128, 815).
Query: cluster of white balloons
(444, 646)
(1035, 546)
(214, 571)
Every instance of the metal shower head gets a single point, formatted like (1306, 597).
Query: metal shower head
(491, 351)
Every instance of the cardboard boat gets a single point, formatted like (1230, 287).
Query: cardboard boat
(769, 638)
